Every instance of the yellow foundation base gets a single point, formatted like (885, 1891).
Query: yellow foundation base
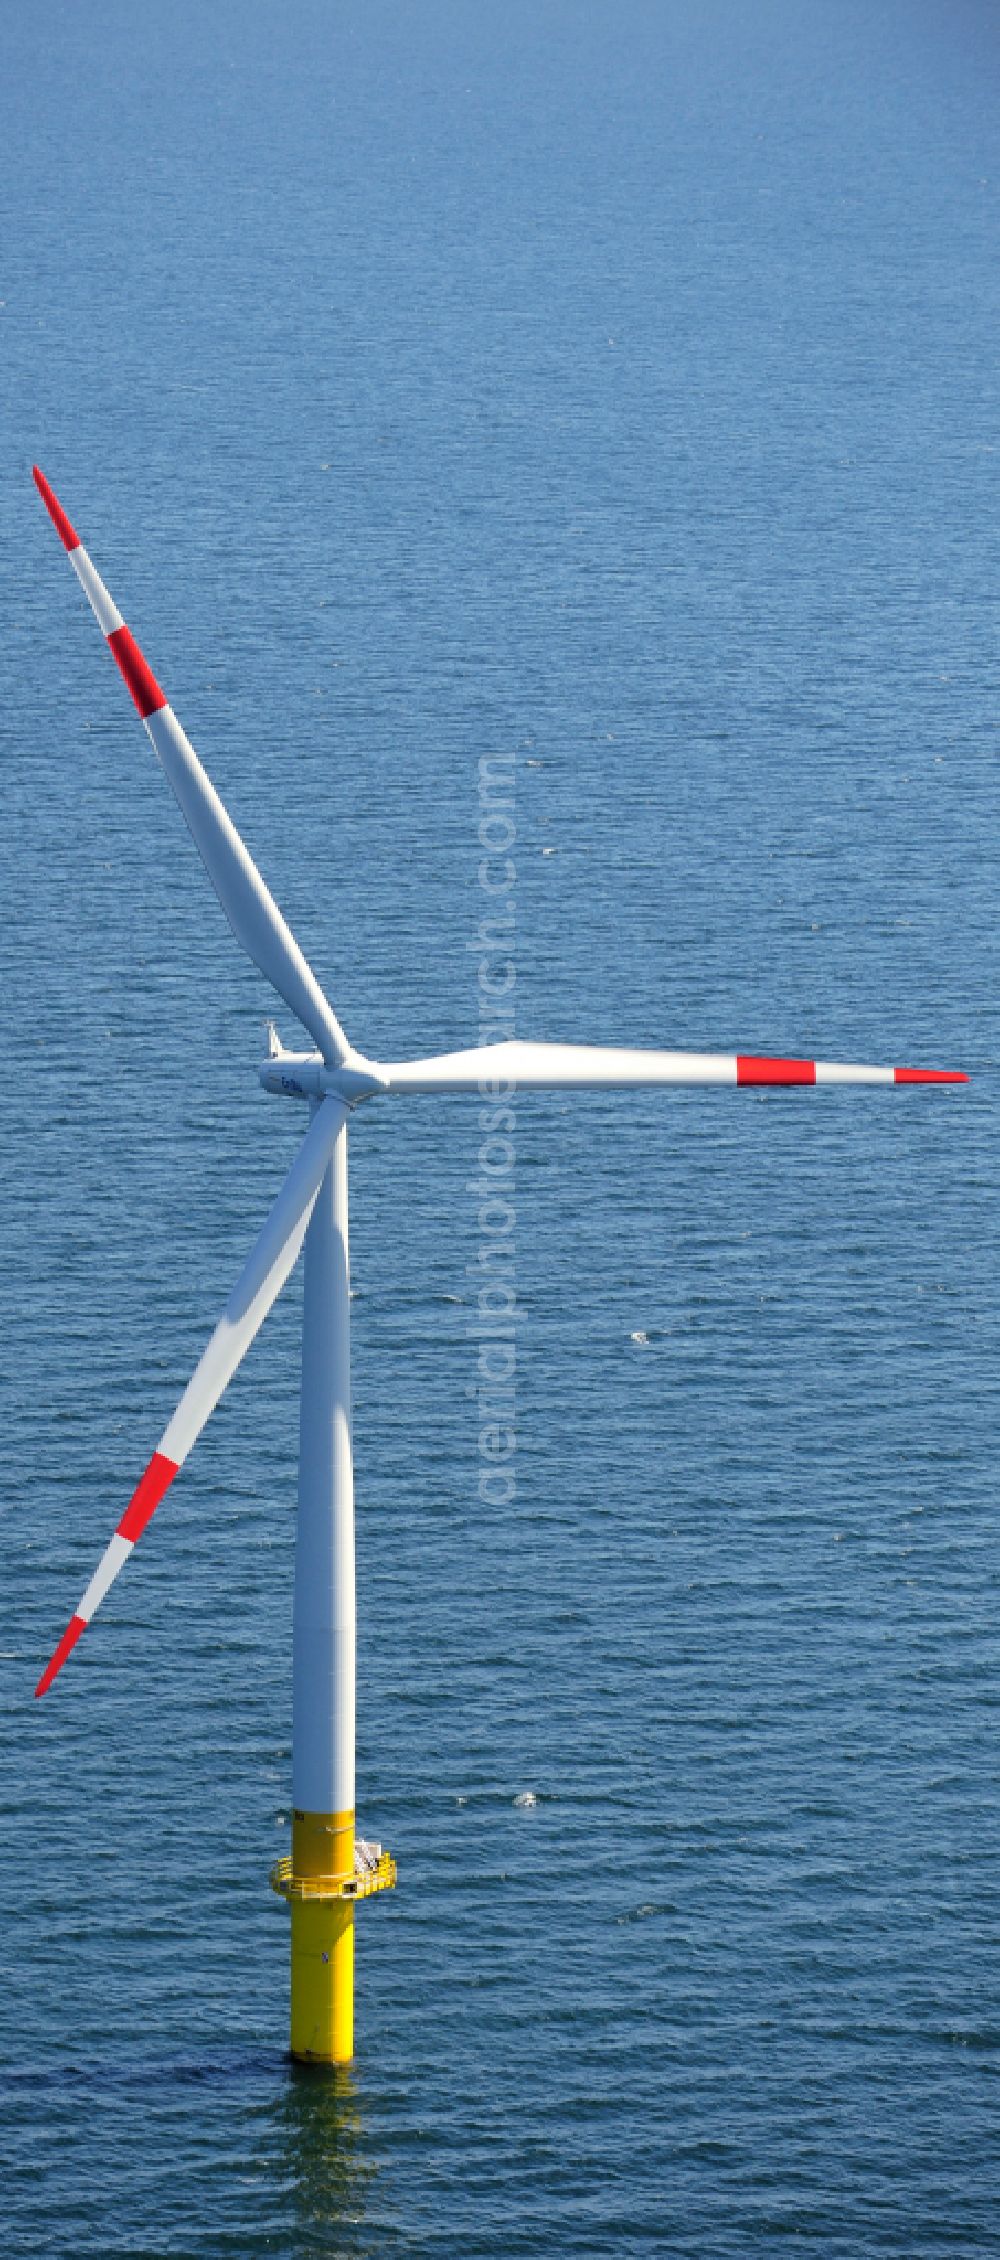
(322, 1938)
(322, 1882)
(323, 1980)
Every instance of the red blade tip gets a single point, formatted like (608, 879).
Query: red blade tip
(928, 1075)
(67, 533)
(68, 1642)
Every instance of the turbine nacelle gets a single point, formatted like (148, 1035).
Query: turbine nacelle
(305, 1075)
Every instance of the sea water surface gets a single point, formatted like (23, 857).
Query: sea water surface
(613, 389)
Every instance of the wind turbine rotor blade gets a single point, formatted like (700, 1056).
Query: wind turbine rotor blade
(260, 1281)
(556, 1067)
(249, 906)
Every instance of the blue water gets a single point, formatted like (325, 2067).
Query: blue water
(616, 387)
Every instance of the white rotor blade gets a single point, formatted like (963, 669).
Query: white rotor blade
(553, 1067)
(250, 908)
(261, 1279)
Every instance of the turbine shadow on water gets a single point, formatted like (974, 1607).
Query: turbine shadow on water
(320, 2132)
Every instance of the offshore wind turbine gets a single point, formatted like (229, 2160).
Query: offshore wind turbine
(330, 1868)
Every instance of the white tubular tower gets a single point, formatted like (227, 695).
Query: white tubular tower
(324, 1644)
